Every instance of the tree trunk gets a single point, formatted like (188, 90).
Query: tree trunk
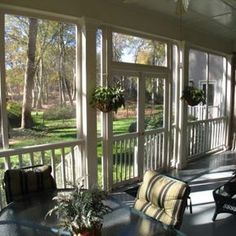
(74, 86)
(62, 70)
(26, 121)
(40, 86)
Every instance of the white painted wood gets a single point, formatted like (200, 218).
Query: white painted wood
(31, 159)
(138, 19)
(183, 67)
(140, 124)
(42, 157)
(89, 114)
(3, 112)
(63, 169)
(72, 150)
(107, 117)
(20, 160)
(53, 156)
(167, 117)
(215, 137)
(230, 99)
(78, 74)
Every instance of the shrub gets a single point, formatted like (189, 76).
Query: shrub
(152, 122)
(14, 113)
(59, 113)
(155, 122)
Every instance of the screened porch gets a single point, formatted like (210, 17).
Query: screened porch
(78, 48)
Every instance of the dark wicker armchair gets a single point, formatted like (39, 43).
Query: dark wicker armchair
(19, 183)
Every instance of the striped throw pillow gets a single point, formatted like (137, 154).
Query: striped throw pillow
(18, 182)
(163, 198)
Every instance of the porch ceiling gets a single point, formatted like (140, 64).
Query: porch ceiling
(217, 17)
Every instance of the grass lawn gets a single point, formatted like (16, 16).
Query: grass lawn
(52, 131)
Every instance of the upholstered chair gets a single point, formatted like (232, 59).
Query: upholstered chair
(163, 198)
(19, 183)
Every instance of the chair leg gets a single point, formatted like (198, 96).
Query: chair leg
(214, 216)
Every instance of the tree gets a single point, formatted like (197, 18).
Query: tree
(26, 121)
(39, 57)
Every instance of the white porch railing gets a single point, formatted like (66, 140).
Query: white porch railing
(205, 136)
(125, 155)
(154, 149)
(124, 158)
(65, 158)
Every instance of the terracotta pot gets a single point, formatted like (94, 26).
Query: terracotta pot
(93, 232)
(104, 107)
(191, 102)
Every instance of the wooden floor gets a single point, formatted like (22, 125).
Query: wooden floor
(203, 176)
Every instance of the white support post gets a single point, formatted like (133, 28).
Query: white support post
(231, 111)
(140, 127)
(168, 111)
(78, 81)
(3, 112)
(107, 117)
(182, 126)
(88, 68)
(176, 84)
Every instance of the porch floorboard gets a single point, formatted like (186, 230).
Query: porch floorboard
(204, 175)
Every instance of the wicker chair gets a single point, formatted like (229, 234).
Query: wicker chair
(19, 183)
(163, 198)
(224, 196)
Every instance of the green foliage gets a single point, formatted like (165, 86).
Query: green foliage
(14, 113)
(81, 209)
(191, 118)
(193, 96)
(59, 113)
(108, 99)
(153, 122)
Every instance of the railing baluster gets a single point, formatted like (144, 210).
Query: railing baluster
(129, 158)
(73, 164)
(125, 159)
(20, 161)
(42, 157)
(116, 162)
(160, 151)
(63, 167)
(121, 153)
(31, 158)
(155, 151)
(7, 163)
(53, 164)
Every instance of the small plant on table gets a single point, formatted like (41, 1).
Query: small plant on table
(81, 211)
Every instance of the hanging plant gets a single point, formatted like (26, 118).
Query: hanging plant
(193, 96)
(108, 99)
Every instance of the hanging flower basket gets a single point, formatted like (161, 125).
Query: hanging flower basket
(108, 99)
(104, 107)
(193, 96)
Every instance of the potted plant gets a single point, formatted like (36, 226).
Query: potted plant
(108, 98)
(193, 96)
(81, 211)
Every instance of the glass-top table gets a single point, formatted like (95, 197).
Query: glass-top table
(27, 217)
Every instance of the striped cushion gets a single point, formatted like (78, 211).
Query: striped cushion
(18, 182)
(162, 198)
